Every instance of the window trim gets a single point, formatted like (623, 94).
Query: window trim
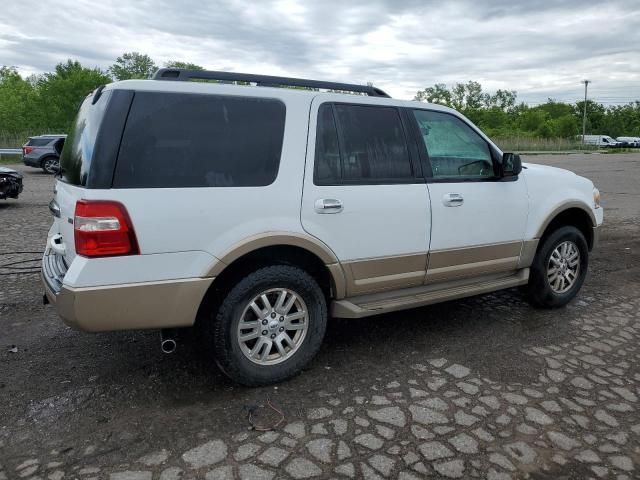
(416, 172)
(426, 161)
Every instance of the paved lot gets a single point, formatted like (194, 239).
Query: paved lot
(486, 387)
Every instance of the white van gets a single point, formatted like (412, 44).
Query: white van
(600, 140)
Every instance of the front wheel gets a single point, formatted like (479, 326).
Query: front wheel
(559, 268)
(269, 326)
(51, 165)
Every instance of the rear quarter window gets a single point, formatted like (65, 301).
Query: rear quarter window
(190, 140)
(78, 152)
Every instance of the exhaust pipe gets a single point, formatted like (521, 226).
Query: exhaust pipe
(168, 342)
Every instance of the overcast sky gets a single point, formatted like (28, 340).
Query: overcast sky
(541, 49)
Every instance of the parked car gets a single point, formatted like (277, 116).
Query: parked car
(601, 141)
(10, 183)
(43, 151)
(633, 142)
(255, 212)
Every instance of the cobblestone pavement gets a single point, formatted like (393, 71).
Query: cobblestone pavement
(485, 387)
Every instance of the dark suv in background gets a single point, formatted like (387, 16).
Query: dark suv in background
(43, 151)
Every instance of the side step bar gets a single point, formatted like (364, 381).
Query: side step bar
(376, 304)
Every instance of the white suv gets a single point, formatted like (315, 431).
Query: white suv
(255, 211)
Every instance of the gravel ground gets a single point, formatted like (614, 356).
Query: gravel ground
(485, 387)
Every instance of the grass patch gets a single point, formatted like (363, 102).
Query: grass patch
(10, 159)
(523, 144)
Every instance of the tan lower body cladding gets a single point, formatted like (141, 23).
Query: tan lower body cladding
(392, 273)
(136, 306)
(445, 265)
(388, 273)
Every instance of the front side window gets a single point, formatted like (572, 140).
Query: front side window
(360, 144)
(176, 140)
(453, 147)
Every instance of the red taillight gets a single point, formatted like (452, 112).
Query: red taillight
(103, 228)
(27, 150)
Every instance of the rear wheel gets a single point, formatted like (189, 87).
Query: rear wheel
(559, 268)
(51, 165)
(269, 326)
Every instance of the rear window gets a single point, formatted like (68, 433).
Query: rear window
(39, 142)
(77, 154)
(189, 140)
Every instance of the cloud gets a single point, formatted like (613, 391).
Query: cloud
(540, 49)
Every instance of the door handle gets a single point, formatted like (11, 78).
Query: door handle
(328, 205)
(452, 199)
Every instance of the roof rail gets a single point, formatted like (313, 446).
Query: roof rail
(180, 74)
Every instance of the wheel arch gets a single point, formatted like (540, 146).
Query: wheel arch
(276, 249)
(574, 214)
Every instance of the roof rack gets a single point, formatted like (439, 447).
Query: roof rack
(180, 74)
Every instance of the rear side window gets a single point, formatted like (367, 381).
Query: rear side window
(361, 144)
(39, 142)
(327, 162)
(188, 140)
(77, 154)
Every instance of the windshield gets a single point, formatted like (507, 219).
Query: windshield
(77, 153)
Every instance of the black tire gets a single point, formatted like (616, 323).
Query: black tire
(50, 165)
(222, 330)
(539, 291)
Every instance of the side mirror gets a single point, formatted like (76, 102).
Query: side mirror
(511, 164)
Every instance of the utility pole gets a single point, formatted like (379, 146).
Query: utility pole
(584, 115)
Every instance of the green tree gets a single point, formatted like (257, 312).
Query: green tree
(439, 93)
(62, 91)
(555, 109)
(596, 114)
(133, 65)
(565, 126)
(473, 96)
(19, 109)
(502, 99)
(531, 119)
(185, 65)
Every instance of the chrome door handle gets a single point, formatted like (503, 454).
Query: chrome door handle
(452, 199)
(328, 205)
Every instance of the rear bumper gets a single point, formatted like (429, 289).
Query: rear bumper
(131, 306)
(32, 162)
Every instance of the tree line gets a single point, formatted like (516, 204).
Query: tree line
(501, 116)
(48, 102)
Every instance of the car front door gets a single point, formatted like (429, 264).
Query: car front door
(478, 218)
(364, 194)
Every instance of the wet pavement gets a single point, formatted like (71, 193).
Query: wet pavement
(485, 387)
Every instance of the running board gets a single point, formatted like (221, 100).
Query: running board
(376, 304)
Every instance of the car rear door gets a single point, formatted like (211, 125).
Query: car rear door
(363, 193)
